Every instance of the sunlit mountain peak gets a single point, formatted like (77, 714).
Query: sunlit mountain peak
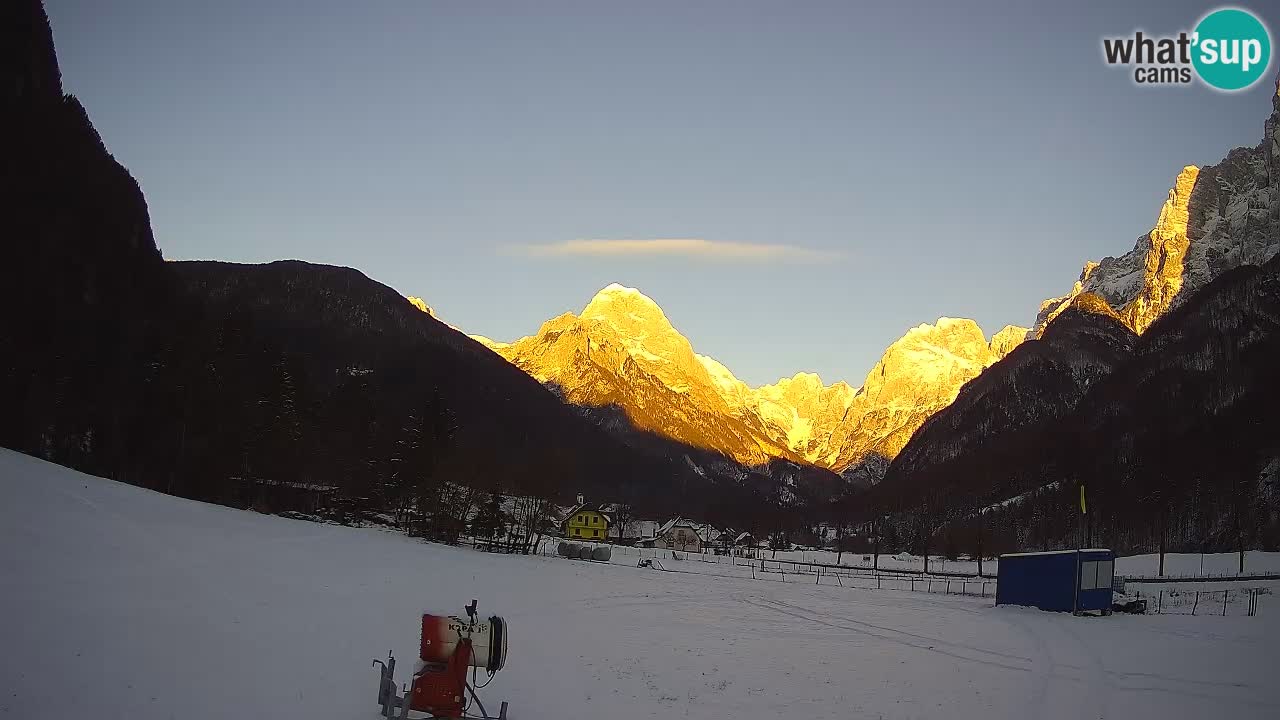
(619, 304)
(622, 350)
(421, 305)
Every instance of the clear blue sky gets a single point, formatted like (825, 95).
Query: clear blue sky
(902, 162)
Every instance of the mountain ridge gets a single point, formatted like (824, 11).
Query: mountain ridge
(623, 350)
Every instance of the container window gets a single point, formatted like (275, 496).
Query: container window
(1089, 575)
(1105, 568)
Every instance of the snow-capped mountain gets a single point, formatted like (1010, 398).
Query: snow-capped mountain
(1216, 218)
(621, 350)
(919, 374)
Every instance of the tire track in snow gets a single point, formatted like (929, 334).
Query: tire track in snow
(926, 638)
(906, 639)
(1053, 685)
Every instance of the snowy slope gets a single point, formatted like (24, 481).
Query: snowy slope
(122, 603)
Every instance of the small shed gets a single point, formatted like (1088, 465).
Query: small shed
(1062, 580)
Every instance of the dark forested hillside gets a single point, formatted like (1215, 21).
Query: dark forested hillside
(215, 381)
(362, 364)
(81, 273)
(1181, 446)
(999, 417)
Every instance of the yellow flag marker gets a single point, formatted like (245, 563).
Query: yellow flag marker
(1083, 508)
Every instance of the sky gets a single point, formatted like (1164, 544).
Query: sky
(796, 184)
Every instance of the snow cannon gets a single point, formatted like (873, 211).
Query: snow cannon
(448, 647)
(442, 635)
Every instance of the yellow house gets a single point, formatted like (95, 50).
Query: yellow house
(586, 522)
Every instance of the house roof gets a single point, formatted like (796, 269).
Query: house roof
(588, 507)
(676, 521)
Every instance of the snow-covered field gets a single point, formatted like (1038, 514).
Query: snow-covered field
(117, 602)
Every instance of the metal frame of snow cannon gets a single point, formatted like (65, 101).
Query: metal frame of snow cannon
(389, 694)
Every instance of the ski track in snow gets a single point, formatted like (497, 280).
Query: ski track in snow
(117, 602)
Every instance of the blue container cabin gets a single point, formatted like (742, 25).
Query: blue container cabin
(1062, 580)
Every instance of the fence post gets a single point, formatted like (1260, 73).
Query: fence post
(1196, 603)
(1225, 594)
(819, 577)
(877, 581)
(1160, 604)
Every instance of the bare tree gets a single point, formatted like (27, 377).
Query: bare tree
(529, 516)
(623, 516)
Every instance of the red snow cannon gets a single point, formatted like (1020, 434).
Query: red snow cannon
(448, 648)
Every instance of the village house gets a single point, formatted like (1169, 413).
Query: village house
(586, 521)
(678, 534)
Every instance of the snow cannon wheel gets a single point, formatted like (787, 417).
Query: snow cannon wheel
(601, 553)
(563, 549)
(572, 551)
(584, 553)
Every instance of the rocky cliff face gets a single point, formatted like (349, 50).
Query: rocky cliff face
(1006, 339)
(623, 351)
(1215, 219)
